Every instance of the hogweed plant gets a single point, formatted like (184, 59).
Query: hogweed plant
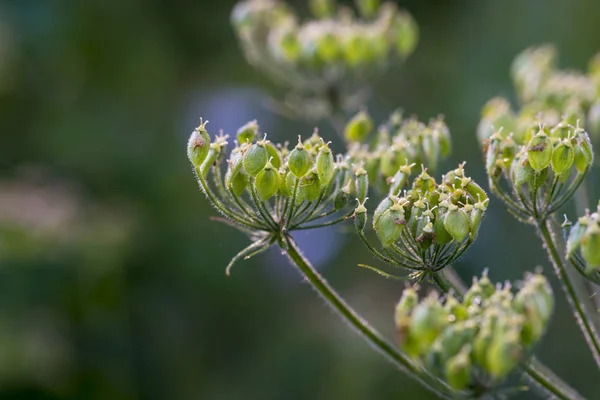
(459, 342)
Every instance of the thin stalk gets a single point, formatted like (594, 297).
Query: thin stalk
(535, 372)
(369, 334)
(548, 236)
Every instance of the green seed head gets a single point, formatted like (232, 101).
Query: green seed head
(458, 370)
(255, 158)
(198, 145)
(562, 158)
(267, 182)
(325, 164)
(299, 161)
(539, 151)
(389, 225)
(458, 224)
(359, 127)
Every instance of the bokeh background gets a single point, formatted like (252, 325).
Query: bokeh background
(112, 281)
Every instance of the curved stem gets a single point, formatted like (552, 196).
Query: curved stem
(535, 372)
(372, 336)
(584, 321)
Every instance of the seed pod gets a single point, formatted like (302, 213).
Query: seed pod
(274, 155)
(583, 153)
(299, 160)
(357, 49)
(255, 159)
(325, 165)
(284, 189)
(198, 145)
(359, 127)
(235, 178)
(539, 151)
(389, 225)
(487, 287)
(481, 344)
(267, 182)
(328, 47)
(428, 320)
(575, 234)
(474, 295)
(458, 371)
(407, 303)
(248, 132)
(362, 184)
(590, 246)
(562, 158)
(360, 217)
(455, 336)
(441, 234)
(299, 189)
(213, 153)
(341, 199)
(457, 224)
(522, 172)
(504, 353)
(311, 184)
(476, 217)
(381, 208)
(399, 180)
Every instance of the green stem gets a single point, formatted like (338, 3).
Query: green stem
(538, 374)
(372, 336)
(584, 321)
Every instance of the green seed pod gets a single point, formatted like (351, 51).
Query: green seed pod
(389, 225)
(481, 344)
(474, 295)
(456, 309)
(341, 199)
(428, 320)
(248, 132)
(321, 8)
(441, 234)
(522, 172)
(300, 190)
(458, 371)
(235, 178)
(562, 158)
(590, 246)
(539, 151)
(299, 160)
(238, 183)
(360, 217)
(274, 155)
(198, 145)
(255, 159)
(367, 8)
(328, 47)
(359, 127)
(575, 234)
(357, 49)
(503, 355)
(362, 184)
(213, 153)
(325, 165)
(407, 303)
(458, 224)
(381, 208)
(399, 180)
(284, 189)
(311, 184)
(267, 182)
(583, 153)
(455, 336)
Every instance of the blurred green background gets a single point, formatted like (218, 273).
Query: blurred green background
(112, 281)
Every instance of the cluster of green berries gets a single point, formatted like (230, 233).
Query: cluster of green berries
(398, 145)
(475, 342)
(333, 49)
(548, 96)
(430, 225)
(544, 166)
(267, 187)
(584, 237)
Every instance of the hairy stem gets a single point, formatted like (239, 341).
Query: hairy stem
(372, 336)
(549, 238)
(544, 379)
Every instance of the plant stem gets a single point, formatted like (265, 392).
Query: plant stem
(584, 321)
(538, 374)
(372, 336)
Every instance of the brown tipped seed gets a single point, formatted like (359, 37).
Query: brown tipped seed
(198, 145)
(539, 151)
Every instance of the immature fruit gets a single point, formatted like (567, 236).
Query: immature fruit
(428, 320)
(590, 246)
(458, 371)
(457, 224)
(539, 151)
(522, 172)
(198, 145)
(562, 158)
(299, 161)
(359, 128)
(360, 218)
(583, 154)
(325, 165)
(255, 159)
(362, 185)
(389, 225)
(274, 156)
(503, 354)
(248, 132)
(267, 182)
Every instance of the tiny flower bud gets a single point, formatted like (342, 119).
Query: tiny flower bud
(457, 224)
(248, 132)
(325, 165)
(359, 127)
(539, 151)
(299, 160)
(198, 145)
(267, 182)
(255, 159)
(562, 158)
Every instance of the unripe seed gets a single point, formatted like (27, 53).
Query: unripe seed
(590, 246)
(267, 182)
(311, 184)
(255, 159)
(428, 320)
(325, 165)
(389, 225)
(458, 371)
(457, 224)
(360, 217)
(539, 151)
(503, 354)
(321, 8)
(406, 304)
(359, 127)
(299, 161)
(341, 199)
(198, 145)
(362, 184)
(583, 153)
(562, 158)
(406, 34)
(575, 235)
(248, 132)
(274, 155)
(522, 172)
(211, 158)
(381, 208)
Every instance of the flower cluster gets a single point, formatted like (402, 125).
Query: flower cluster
(268, 190)
(548, 95)
(475, 342)
(583, 244)
(325, 61)
(428, 227)
(543, 165)
(398, 145)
